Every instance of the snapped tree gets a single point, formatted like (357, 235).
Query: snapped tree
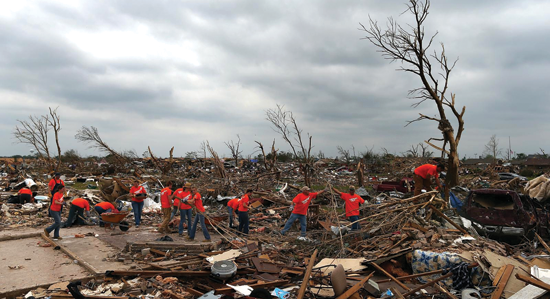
(410, 47)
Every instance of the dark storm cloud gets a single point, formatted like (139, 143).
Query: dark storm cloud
(195, 70)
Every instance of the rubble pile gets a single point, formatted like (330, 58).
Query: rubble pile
(406, 247)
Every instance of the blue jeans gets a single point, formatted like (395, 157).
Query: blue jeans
(243, 222)
(200, 218)
(230, 211)
(56, 225)
(185, 214)
(356, 225)
(174, 212)
(291, 220)
(137, 207)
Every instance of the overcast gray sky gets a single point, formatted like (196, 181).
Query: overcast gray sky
(173, 73)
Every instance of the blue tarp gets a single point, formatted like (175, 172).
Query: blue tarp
(455, 202)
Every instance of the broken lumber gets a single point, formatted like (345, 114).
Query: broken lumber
(355, 288)
(406, 288)
(502, 282)
(438, 212)
(72, 255)
(534, 282)
(305, 282)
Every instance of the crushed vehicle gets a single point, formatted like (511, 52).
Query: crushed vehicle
(510, 176)
(406, 185)
(506, 213)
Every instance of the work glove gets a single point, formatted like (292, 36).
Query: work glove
(291, 208)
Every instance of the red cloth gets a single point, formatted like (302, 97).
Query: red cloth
(57, 202)
(301, 203)
(137, 190)
(198, 202)
(244, 200)
(234, 203)
(81, 203)
(352, 203)
(177, 194)
(106, 206)
(25, 191)
(165, 198)
(53, 182)
(426, 169)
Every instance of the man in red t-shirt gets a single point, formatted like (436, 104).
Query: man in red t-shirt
(76, 212)
(299, 206)
(196, 200)
(423, 177)
(182, 196)
(352, 201)
(165, 204)
(242, 211)
(232, 206)
(25, 195)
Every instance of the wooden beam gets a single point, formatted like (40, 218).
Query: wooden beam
(72, 255)
(406, 288)
(396, 292)
(444, 291)
(534, 282)
(543, 243)
(503, 281)
(428, 284)
(438, 212)
(305, 282)
(355, 288)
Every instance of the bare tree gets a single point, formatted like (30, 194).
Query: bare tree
(35, 132)
(345, 154)
(285, 124)
(91, 136)
(492, 149)
(203, 151)
(163, 166)
(234, 148)
(413, 151)
(425, 152)
(410, 47)
(217, 161)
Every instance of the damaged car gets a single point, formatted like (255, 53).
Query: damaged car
(505, 214)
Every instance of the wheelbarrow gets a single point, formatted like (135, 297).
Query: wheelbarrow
(111, 220)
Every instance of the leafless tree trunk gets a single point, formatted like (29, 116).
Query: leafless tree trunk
(344, 154)
(491, 148)
(91, 135)
(285, 124)
(217, 161)
(234, 148)
(165, 166)
(203, 150)
(35, 133)
(413, 151)
(410, 47)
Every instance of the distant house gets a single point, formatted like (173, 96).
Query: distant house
(537, 163)
(480, 162)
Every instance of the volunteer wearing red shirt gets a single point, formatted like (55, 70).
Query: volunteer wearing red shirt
(353, 201)
(55, 183)
(423, 177)
(186, 213)
(165, 204)
(138, 195)
(78, 205)
(232, 206)
(243, 212)
(196, 200)
(25, 195)
(300, 203)
(55, 212)
(104, 207)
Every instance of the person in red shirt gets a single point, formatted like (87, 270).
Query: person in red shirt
(243, 212)
(196, 200)
(55, 212)
(352, 201)
(104, 207)
(138, 195)
(25, 195)
(176, 198)
(76, 212)
(55, 183)
(232, 206)
(186, 214)
(166, 204)
(299, 206)
(423, 177)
